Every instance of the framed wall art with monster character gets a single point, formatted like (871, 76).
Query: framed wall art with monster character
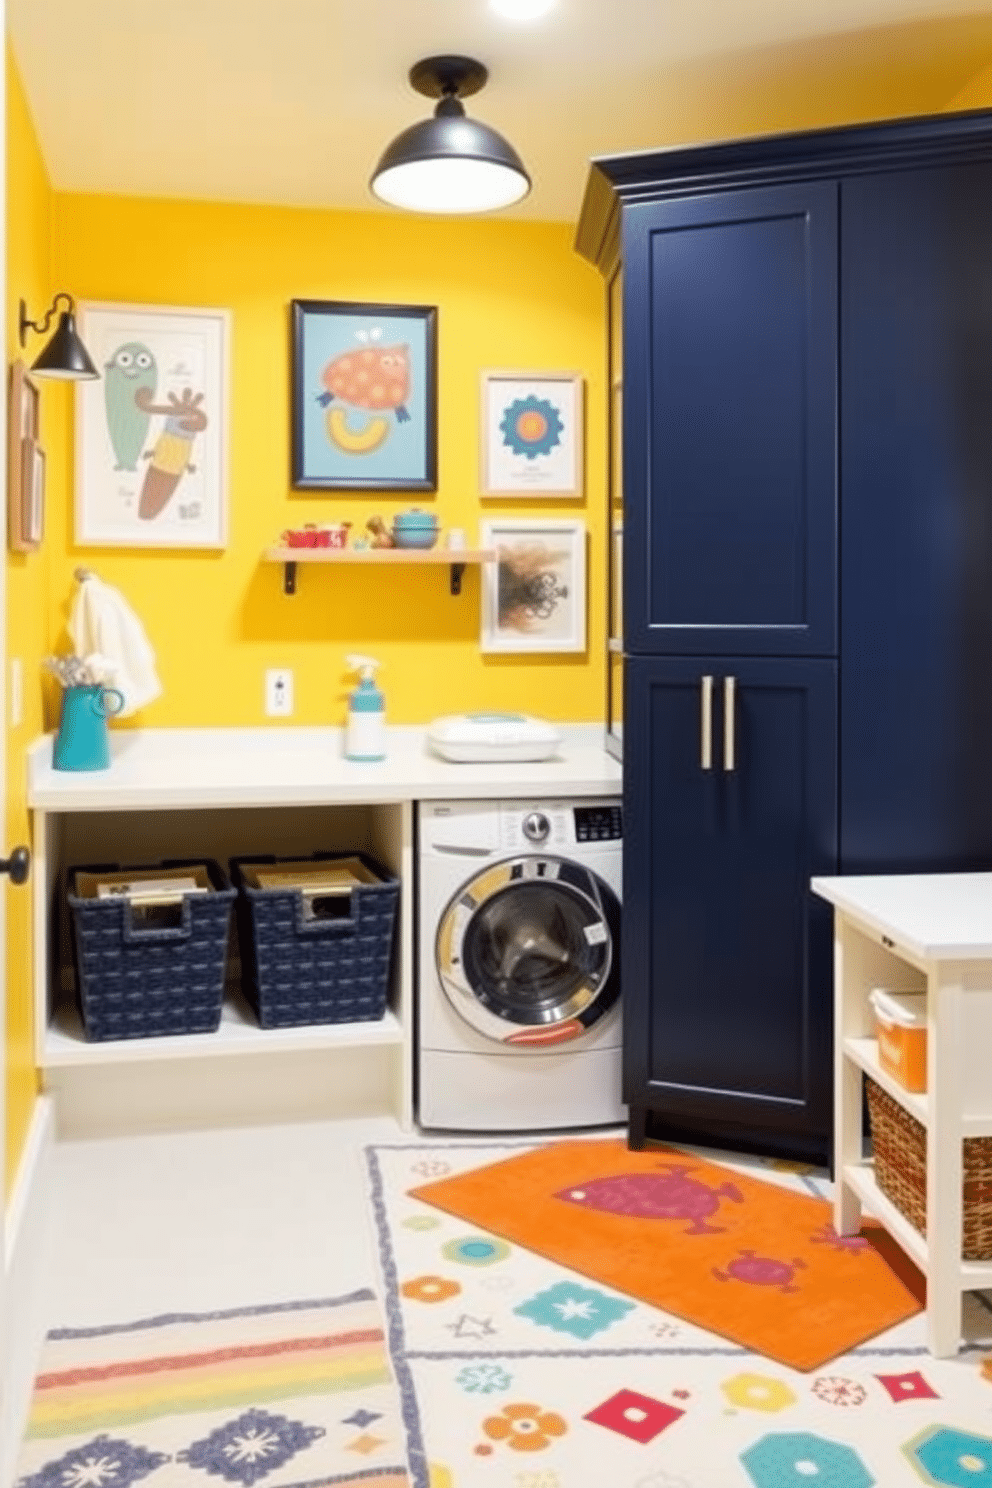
(364, 396)
(152, 433)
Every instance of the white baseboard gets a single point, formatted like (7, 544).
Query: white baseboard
(26, 1246)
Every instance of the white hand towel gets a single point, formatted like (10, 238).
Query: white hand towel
(103, 621)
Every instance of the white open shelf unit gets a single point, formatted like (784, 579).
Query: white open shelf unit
(931, 933)
(153, 1075)
(225, 793)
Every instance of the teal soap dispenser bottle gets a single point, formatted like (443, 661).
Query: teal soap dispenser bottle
(365, 730)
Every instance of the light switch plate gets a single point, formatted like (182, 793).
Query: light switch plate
(278, 692)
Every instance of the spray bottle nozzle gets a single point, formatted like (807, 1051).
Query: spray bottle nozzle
(365, 666)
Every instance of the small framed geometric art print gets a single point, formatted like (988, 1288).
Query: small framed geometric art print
(531, 434)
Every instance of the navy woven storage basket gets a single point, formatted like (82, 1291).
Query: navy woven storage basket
(147, 975)
(300, 967)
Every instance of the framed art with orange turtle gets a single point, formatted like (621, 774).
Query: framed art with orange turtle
(531, 434)
(364, 396)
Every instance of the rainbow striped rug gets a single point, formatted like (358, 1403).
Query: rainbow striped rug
(296, 1395)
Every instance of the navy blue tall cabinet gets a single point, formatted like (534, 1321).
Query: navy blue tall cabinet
(806, 376)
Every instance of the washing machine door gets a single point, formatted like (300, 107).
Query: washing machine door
(528, 951)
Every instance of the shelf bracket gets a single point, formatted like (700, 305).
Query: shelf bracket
(289, 578)
(457, 569)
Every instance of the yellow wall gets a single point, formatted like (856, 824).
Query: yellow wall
(889, 72)
(977, 93)
(509, 295)
(28, 244)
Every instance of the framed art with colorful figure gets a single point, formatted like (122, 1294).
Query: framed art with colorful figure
(534, 592)
(152, 433)
(364, 396)
(531, 434)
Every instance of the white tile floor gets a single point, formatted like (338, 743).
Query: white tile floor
(214, 1219)
(207, 1220)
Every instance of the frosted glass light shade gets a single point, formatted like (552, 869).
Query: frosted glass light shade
(450, 186)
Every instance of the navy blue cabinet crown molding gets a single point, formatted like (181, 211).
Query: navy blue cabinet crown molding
(807, 463)
(847, 150)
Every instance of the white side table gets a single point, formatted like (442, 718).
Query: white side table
(932, 933)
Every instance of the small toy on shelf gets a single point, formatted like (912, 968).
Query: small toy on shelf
(381, 535)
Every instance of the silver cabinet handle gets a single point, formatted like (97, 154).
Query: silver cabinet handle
(706, 723)
(729, 703)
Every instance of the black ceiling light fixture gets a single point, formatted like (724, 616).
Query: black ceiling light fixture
(65, 356)
(449, 163)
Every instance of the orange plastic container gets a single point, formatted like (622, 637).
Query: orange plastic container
(901, 1023)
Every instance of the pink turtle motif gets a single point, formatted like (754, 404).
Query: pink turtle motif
(827, 1235)
(761, 1271)
(671, 1194)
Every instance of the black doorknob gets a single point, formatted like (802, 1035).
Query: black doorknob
(18, 865)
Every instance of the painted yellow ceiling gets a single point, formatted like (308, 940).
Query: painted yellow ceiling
(291, 101)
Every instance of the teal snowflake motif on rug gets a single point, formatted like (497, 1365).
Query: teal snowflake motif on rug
(484, 1379)
(569, 1308)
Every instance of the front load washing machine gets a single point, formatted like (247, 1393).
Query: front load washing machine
(519, 965)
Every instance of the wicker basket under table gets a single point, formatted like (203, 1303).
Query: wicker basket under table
(900, 1144)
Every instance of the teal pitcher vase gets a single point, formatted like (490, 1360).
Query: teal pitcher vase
(82, 742)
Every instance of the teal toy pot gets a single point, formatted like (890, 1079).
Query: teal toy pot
(82, 742)
(415, 529)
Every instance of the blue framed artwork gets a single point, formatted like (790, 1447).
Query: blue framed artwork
(364, 396)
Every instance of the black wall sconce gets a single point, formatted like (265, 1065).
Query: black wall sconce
(65, 356)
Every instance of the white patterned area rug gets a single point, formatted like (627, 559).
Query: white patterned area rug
(298, 1395)
(518, 1373)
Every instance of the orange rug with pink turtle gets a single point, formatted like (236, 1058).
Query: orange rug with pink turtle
(753, 1262)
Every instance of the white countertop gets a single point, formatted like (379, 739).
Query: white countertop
(171, 769)
(938, 916)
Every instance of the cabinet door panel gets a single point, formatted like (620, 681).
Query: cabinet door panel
(916, 701)
(727, 979)
(730, 348)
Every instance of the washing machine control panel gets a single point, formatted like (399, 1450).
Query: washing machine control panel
(558, 825)
(598, 823)
(536, 827)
